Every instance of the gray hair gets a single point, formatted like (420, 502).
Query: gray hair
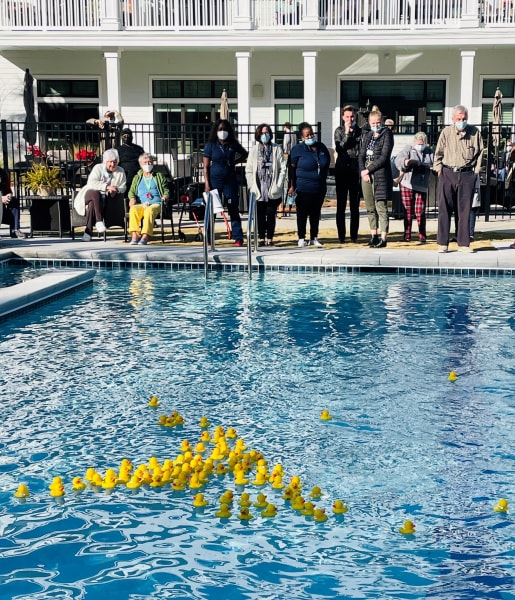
(110, 154)
(144, 155)
(420, 135)
(459, 108)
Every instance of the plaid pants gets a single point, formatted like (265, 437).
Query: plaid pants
(414, 205)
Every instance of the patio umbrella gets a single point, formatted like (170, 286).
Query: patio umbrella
(224, 106)
(497, 118)
(30, 128)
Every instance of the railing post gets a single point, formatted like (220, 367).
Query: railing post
(470, 14)
(242, 16)
(209, 230)
(5, 153)
(111, 19)
(488, 172)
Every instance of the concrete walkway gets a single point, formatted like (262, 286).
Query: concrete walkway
(490, 254)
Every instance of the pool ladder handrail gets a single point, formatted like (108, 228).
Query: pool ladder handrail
(252, 233)
(209, 230)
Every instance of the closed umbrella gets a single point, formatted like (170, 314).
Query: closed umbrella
(497, 118)
(30, 128)
(224, 106)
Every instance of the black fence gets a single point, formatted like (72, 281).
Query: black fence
(75, 147)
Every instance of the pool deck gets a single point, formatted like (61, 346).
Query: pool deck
(495, 255)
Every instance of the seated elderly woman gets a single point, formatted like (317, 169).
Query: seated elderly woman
(147, 192)
(105, 181)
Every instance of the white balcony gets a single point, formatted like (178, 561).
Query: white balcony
(256, 15)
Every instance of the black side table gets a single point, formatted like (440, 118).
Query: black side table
(49, 215)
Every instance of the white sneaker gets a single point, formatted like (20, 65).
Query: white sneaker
(302, 243)
(442, 249)
(316, 243)
(466, 249)
(100, 226)
(86, 237)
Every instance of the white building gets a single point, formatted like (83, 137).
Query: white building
(167, 61)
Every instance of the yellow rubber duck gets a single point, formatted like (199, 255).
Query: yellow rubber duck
(205, 437)
(295, 483)
(309, 509)
(22, 492)
(195, 483)
(408, 528)
(231, 433)
(297, 502)
(200, 448)
(325, 415)
(178, 485)
(78, 485)
(452, 376)
(319, 515)
(162, 420)
(134, 482)
(260, 480)
(204, 423)
(245, 500)
(261, 501)
(221, 469)
(199, 501)
(153, 402)
(269, 511)
(56, 487)
(227, 497)
(185, 446)
(277, 483)
(288, 493)
(240, 478)
(109, 481)
(244, 514)
(501, 506)
(316, 493)
(339, 507)
(224, 512)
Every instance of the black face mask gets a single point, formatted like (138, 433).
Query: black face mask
(127, 139)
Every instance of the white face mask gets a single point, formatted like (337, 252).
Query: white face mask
(420, 147)
(147, 168)
(222, 135)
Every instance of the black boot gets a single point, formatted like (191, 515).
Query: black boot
(373, 241)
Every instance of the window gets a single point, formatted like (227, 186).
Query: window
(288, 102)
(289, 89)
(489, 87)
(193, 88)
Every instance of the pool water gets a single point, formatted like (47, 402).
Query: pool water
(265, 357)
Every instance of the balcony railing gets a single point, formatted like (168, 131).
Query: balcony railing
(185, 15)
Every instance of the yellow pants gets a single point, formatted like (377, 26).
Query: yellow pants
(147, 213)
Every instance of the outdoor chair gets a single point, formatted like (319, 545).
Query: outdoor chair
(114, 216)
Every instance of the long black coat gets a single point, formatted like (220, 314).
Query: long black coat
(380, 167)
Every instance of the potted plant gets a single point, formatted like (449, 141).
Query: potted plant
(42, 179)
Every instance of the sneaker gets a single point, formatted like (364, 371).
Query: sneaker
(442, 249)
(261, 243)
(466, 249)
(422, 239)
(373, 241)
(17, 233)
(134, 242)
(316, 243)
(238, 243)
(100, 226)
(381, 244)
(302, 243)
(407, 238)
(142, 242)
(86, 237)
(270, 242)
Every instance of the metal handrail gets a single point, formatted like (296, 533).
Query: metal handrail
(209, 230)
(251, 231)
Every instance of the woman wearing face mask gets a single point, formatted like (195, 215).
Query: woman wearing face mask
(221, 155)
(376, 176)
(265, 172)
(415, 163)
(309, 165)
(148, 191)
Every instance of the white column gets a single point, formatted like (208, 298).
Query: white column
(470, 14)
(243, 75)
(467, 78)
(311, 20)
(113, 79)
(241, 18)
(111, 15)
(310, 86)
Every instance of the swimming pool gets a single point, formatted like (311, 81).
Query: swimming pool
(265, 357)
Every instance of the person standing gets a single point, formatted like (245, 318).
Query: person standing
(415, 162)
(129, 154)
(457, 162)
(10, 205)
(376, 176)
(309, 165)
(221, 155)
(266, 173)
(346, 142)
